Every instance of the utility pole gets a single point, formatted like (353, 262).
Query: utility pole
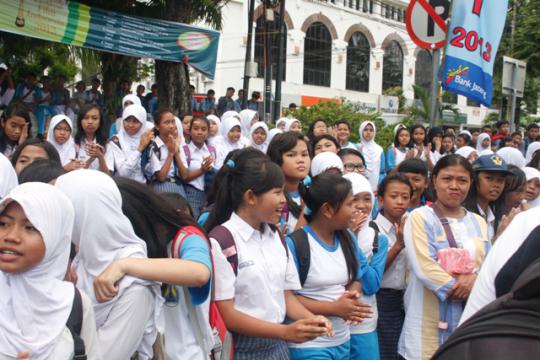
(247, 64)
(268, 17)
(279, 70)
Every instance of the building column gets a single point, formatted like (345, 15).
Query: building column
(295, 56)
(409, 64)
(376, 71)
(339, 64)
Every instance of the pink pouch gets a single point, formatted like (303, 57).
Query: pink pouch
(456, 261)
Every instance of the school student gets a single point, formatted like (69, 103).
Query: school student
(398, 151)
(434, 298)
(200, 158)
(128, 100)
(512, 156)
(127, 147)
(373, 154)
(318, 127)
(394, 195)
(485, 197)
(463, 139)
(8, 176)
(290, 151)
(32, 150)
(293, 125)
(281, 122)
(247, 119)
(353, 161)
(231, 132)
(324, 143)
(515, 190)
(166, 168)
(179, 257)
(258, 136)
(330, 285)
(214, 133)
(416, 171)
(255, 276)
(91, 140)
(41, 170)
(374, 246)
(127, 322)
(37, 305)
(532, 194)
(419, 141)
(342, 129)
(273, 132)
(60, 136)
(483, 145)
(326, 161)
(433, 152)
(448, 146)
(15, 128)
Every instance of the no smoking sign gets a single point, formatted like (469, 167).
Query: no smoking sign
(426, 22)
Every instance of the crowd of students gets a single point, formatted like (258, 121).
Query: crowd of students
(309, 246)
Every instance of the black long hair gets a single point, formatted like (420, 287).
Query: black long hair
(102, 133)
(13, 110)
(418, 126)
(41, 170)
(318, 138)
(396, 137)
(51, 151)
(513, 183)
(153, 218)
(280, 144)
(432, 133)
(244, 173)
(332, 189)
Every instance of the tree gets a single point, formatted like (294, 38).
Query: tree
(422, 113)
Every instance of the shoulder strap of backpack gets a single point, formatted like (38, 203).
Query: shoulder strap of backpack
(303, 253)
(446, 226)
(375, 227)
(181, 235)
(116, 141)
(74, 324)
(187, 151)
(226, 241)
(212, 150)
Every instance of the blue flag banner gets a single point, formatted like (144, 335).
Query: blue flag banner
(476, 27)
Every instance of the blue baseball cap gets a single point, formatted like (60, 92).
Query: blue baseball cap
(490, 163)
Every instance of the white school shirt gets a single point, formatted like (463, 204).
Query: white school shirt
(265, 271)
(126, 163)
(490, 220)
(395, 276)
(94, 165)
(6, 98)
(293, 220)
(156, 163)
(326, 281)
(196, 160)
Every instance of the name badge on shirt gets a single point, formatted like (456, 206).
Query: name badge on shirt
(246, 264)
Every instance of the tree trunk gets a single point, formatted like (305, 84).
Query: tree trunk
(173, 77)
(114, 68)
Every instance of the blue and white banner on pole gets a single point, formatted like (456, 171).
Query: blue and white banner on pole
(475, 31)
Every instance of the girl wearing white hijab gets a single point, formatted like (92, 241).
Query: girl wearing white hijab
(231, 131)
(533, 186)
(8, 176)
(468, 152)
(230, 113)
(258, 136)
(512, 156)
(129, 144)
(364, 340)
(36, 302)
(247, 119)
(62, 141)
(533, 147)
(273, 132)
(129, 321)
(483, 145)
(325, 161)
(293, 125)
(373, 154)
(129, 99)
(281, 123)
(214, 133)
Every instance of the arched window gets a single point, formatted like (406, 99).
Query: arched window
(422, 73)
(392, 66)
(260, 42)
(317, 55)
(358, 53)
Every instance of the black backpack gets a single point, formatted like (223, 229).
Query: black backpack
(507, 328)
(74, 324)
(303, 252)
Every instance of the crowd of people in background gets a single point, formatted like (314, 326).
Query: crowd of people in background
(308, 245)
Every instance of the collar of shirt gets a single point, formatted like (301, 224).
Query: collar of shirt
(489, 217)
(243, 229)
(159, 142)
(193, 147)
(385, 224)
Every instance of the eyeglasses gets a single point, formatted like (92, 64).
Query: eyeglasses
(354, 167)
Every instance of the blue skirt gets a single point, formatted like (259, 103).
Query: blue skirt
(390, 321)
(196, 199)
(168, 186)
(255, 348)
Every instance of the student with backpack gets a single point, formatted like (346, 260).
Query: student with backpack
(41, 313)
(200, 159)
(374, 246)
(255, 274)
(102, 233)
(330, 284)
(373, 154)
(435, 297)
(127, 147)
(232, 139)
(394, 195)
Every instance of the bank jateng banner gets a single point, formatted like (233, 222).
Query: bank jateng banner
(475, 31)
(77, 24)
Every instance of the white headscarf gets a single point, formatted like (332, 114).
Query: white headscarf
(127, 142)
(101, 231)
(283, 121)
(324, 161)
(465, 151)
(290, 122)
(372, 154)
(230, 113)
(35, 304)
(398, 127)
(533, 147)
(68, 150)
(481, 150)
(254, 127)
(8, 176)
(512, 156)
(246, 118)
(133, 98)
(466, 132)
(273, 132)
(531, 173)
(359, 185)
(215, 140)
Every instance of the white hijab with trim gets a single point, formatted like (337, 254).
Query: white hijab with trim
(131, 97)
(361, 184)
(466, 151)
(481, 150)
(8, 176)
(130, 143)
(254, 127)
(281, 121)
(67, 150)
(290, 122)
(324, 161)
(512, 156)
(372, 154)
(216, 139)
(35, 304)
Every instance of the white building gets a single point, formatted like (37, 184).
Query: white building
(334, 48)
